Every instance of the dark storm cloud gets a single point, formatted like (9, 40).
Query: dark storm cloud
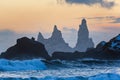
(103, 3)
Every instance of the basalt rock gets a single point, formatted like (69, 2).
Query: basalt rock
(26, 48)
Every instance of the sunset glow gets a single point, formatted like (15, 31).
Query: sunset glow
(41, 15)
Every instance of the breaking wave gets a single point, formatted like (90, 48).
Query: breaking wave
(9, 65)
(59, 70)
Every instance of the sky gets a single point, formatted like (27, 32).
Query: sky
(28, 17)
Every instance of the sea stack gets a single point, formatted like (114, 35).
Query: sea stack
(26, 48)
(55, 43)
(83, 41)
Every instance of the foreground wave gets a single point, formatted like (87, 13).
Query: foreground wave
(37, 69)
(9, 65)
(108, 76)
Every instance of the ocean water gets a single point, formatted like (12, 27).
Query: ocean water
(87, 69)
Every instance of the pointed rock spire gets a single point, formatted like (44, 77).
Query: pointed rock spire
(55, 27)
(83, 28)
(83, 33)
(56, 33)
(55, 30)
(83, 41)
(56, 42)
(83, 22)
(40, 37)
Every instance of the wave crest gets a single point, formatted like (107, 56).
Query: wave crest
(9, 65)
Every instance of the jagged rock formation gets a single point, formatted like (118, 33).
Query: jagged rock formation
(26, 48)
(83, 42)
(55, 42)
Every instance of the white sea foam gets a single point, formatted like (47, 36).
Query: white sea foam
(108, 76)
(68, 70)
(9, 65)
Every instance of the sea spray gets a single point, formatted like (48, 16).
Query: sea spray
(10, 65)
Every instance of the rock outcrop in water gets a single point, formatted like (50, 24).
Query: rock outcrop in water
(104, 51)
(113, 46)
(83, 42)
(26, 48)
(55, 42)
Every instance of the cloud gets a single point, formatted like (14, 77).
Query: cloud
(102, 3)
(110, 19)
(6, 32)
(112, 29)
(116, 20)
(69, 29)
(101, 18)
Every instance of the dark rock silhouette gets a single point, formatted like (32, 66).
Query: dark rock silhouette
(83, 42)
(104, 51)
(113, 46)
(55, 42)
(68, 56)
(100, 45)
(26, 49)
